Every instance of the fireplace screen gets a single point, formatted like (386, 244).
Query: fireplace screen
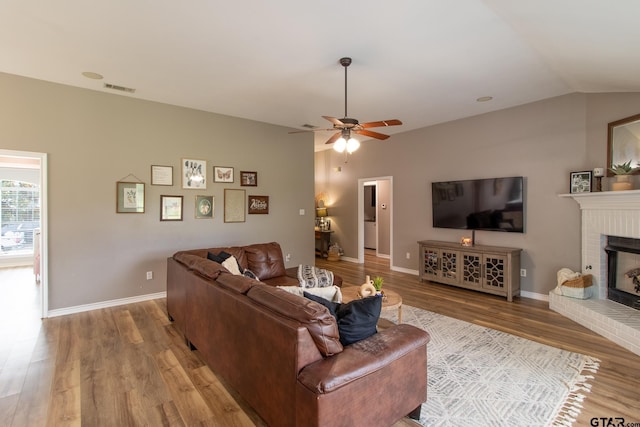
(623, 256)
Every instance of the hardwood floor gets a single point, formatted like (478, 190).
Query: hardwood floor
(127, 366)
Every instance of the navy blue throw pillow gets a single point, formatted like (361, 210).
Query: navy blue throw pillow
(220, 258)
(356, 319)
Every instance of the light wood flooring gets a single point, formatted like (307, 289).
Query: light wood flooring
(127, 366)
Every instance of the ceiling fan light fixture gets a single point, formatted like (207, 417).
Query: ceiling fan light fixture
(340, 145)
(352, 145)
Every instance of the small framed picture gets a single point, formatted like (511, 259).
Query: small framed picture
(161, 175)
(234, 205)
(170, 208)
(580, 182)
(258, 204)
(194, 174)
(129, 197)
(248, 179)
(204, 207)
(222, 174)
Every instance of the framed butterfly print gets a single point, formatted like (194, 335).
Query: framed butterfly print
(222, 174)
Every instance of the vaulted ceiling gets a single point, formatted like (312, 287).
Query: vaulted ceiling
(421, 61)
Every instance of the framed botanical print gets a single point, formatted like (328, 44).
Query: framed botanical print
(204, 207)
(129, 197)
(194, 174)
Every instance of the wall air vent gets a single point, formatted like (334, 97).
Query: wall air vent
(120, 88)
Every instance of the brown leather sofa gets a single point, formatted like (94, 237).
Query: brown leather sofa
(282, 353)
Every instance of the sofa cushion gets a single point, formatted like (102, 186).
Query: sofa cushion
(202, 266)
(316, 318)
(265, 260)
(356, 319)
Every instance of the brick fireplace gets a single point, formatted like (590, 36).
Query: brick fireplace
(608, 213)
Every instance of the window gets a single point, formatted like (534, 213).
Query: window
(19, 216)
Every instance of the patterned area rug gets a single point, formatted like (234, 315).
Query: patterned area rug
(482, 377)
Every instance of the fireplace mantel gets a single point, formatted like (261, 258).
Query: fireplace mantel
(606, 213)
(625, 200)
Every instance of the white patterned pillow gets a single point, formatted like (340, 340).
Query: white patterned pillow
(231, 264)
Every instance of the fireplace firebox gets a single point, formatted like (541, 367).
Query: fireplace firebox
(623, 262)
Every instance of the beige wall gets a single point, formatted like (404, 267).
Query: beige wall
(94, 139)
(542, 141)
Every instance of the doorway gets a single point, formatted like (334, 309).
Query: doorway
(25, 218)
(375, 223)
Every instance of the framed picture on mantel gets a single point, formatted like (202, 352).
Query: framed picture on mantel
(580, 182)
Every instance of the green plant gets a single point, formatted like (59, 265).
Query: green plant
(622, 168)
(377, 283)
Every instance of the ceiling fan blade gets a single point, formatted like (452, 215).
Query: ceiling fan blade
(334, 138)
(333, 120)
(371, 134)
(381, 123)
(312, 130)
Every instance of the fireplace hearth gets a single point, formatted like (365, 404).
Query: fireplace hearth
(623, 278)
(603, 214)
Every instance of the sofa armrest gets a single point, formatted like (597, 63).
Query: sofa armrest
(364, 357)
(373, 382)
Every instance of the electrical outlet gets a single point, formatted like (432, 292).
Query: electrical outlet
(149, 275)
(408, 255)
(301, 212)
(287, 258)
(523, 272)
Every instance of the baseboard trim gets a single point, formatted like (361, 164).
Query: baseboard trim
(534, 295)
(349, 259)
(104, 304)
(404, 270)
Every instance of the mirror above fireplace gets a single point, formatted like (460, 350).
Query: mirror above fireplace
(623, 143)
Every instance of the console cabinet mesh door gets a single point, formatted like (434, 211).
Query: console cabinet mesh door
(482, 270)
(440, 264)
(494, 276)
(472, 269)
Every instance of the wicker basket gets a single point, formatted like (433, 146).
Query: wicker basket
(580, 282)
(332, 256)
(577, 288)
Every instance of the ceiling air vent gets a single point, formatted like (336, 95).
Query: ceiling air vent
(308, 126)
(120, 88)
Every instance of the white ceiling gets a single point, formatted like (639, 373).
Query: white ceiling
(420, 61)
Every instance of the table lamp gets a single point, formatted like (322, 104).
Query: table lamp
(322, 213)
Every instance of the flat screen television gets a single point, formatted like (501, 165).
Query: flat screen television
(494, 204)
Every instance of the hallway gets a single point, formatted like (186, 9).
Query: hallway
(20, 325)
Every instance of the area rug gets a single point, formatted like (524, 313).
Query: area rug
(479, 376)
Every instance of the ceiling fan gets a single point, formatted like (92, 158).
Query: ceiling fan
(346, 125)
